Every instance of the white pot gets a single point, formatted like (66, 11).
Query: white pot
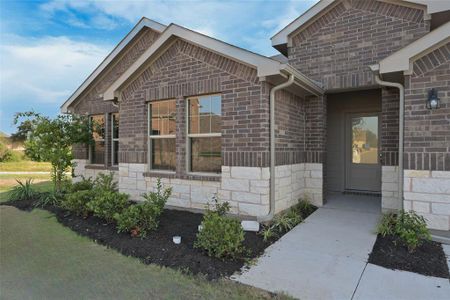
(177, 239)
(200, 228)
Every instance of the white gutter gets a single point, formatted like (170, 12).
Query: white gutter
(400, 133)
(283, 85)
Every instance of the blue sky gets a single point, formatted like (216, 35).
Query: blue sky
(47, 48)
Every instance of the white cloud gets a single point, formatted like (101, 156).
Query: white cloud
(45, 70)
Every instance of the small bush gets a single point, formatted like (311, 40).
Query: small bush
(142, 218)
(77, 202)
(408, 226)
(5, 152)
(23, 191)
(82, 185)
(106, 204)
(221, 236)
(282, 223)
(50, 198)
(106, 183)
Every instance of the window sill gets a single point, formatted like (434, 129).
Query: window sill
(187, 176)
(101, 167)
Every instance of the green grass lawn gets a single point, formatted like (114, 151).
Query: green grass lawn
(41, 259)
(25, 166)
(42, 183)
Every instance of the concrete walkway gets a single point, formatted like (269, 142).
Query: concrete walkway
(326, 258)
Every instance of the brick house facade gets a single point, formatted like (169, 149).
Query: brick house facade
(328, 55)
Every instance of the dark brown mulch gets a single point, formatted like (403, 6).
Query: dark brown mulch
(158, 247)
(428, 259)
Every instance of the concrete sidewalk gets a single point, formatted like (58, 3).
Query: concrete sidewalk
(326, 258)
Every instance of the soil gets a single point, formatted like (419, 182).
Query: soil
(158, 247)
(428, 259)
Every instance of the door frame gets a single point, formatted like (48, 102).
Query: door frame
(348, 139)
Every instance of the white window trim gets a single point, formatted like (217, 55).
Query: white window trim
(113, 140)
(197, 135)
(90, 152)
(154, 137)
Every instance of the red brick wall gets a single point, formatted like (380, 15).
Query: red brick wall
(389, 126)
(427, 132)
(338, 48)
(290, 121)
(91, 101)
(186, 70)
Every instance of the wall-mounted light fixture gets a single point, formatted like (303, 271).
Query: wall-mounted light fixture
(433, 101)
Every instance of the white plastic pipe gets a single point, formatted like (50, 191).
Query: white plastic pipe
(400, 133)
(283, 85)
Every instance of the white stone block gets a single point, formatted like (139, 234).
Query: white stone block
(313, 166)
(407, 205)
(431, 185)
(202, 194)
(265, 173)
(427, 197)
(246, 172)
(250, 226)
(137, 167)
(224, 195)
(313, 183)
(181, 188)
(245, 197)
(253, 209)
(235, 184)
(421, 207)
(389, 186)
(438, 222)
(416, 173)
(440, 208)
(316, 174)
(440, 174)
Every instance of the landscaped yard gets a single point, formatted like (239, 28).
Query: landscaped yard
(8, 181)
(25, 166)
(41, 259)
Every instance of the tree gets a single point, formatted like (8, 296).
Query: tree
(22, 131)
(52, 140)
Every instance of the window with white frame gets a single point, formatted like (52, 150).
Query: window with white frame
(204, 134)
(162, 133)
(115, 139)
(97, 148)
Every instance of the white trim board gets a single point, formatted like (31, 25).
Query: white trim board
(144, 22)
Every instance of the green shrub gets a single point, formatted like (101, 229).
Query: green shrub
(221, 236)
(142, 218)
(106, 183)
(282, 223)
(77, 202)
(82, 185)
(106, 204)
(5, 152)
(23, 191)
(50, 198)
(408, 226)
(305, 208)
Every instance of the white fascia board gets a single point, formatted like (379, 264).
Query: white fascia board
(282, 36)
(433, 6)
(401, 60)
(305, 82)
(144, 22)
(265, 66)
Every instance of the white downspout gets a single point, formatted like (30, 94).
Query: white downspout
(401, 132)
(283, 85)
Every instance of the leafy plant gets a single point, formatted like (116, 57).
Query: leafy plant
(49, 198)
(106, 204)
(52, 139)
(142, 218)
(283, 223)
(77, 201)
(82, 185)
(409, 227)
(106, 183)
(221, 236)
(23, 191)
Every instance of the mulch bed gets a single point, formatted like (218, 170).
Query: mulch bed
(428, 259)
(158, 247)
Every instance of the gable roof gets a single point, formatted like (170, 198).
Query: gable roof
(144, 22)
(280, 40)
(401, 61)
(266, 67)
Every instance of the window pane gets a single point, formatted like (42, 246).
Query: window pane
(116, 152)
(163, 117)
(163, 154)
(204, 114)
(365, 140)
(206, 154)
(98, 153)
(115, 125)
(98, 127)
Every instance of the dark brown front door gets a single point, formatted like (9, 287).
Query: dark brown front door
(362, 162)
